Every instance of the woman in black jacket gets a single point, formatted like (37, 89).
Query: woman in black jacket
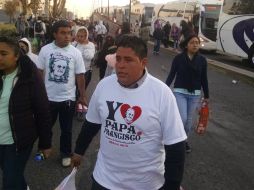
(189, 69)
(24, 113)
(108, 48)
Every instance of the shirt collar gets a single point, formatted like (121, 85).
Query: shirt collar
(64, 48)
(137, 83)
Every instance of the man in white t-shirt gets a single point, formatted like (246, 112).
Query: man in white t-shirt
(142, 136)
(62, 64)
(100, 30)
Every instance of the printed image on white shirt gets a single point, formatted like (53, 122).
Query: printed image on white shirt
(59, 68)
(118, 132)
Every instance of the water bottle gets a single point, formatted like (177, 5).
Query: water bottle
(203, 118)
(81, 112)
(39, 156)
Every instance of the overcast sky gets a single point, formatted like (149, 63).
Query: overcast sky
(85, 7)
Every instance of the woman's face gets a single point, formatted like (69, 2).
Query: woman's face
(24, 47)
(193, 45)
(81, 37)
(8, 58)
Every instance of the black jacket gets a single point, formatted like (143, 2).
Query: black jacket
(29, 112)
(158, 34)
(190, 74)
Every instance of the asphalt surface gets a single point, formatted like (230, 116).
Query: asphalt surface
(230, 60)
(222, 159)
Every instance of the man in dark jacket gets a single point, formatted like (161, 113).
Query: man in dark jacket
(166, 30)
(158, 35)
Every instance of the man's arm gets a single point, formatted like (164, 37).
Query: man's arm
(88, 131)
(174, 165)
(41, 73)
(81, 88)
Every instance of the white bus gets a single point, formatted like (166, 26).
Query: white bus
(204, 15)
(142, 12)
(236, 29)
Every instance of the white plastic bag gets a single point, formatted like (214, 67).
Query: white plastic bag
(69, 182)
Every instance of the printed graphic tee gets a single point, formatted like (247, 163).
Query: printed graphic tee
(136, 124)
(60, 66)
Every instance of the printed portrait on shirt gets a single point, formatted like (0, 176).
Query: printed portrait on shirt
(59, 68)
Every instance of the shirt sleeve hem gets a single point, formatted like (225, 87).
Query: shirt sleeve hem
(174, 141)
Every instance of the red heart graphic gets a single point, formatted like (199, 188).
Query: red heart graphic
(130, 114)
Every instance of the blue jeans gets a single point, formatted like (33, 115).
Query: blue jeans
(175, 44)
(65, 110)
(188, 106)
(157, 45)
(13, 165)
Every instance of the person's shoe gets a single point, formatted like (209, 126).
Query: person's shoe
(28, 188)
(187, 147)
(66, 162)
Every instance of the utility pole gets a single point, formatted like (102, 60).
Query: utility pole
(101, 8)
(130, 13)
(108, 9)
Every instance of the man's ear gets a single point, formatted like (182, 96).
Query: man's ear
(144, 61)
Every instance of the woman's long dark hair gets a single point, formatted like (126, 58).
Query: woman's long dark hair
(12, 42)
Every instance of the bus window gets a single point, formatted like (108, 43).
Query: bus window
(209, 21)
(238, 7)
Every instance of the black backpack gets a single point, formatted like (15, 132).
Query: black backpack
(38, 27)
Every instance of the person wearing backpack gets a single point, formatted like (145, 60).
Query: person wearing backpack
(39, 32)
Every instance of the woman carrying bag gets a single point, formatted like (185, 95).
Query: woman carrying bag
(189, 69)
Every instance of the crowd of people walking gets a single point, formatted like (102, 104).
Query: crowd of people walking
(35, 90)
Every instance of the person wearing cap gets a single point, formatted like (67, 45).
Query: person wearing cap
(189, 69)
(142, 145)
(62, 64)
(87, 50)
(25, 44)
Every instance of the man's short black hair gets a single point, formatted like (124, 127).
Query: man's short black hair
(135, 43)
(60, 23)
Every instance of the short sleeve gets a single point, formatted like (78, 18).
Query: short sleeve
(171, 122)
(80, 66)
(41, 60)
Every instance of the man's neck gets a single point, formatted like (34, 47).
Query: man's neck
(60, 46)
(137, 83)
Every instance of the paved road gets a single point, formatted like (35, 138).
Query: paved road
(230, 60)
(222, 159)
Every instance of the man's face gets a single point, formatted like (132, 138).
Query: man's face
(63, 36)
(23, 46)
(59, 68)
(129, 67)
(129, 115)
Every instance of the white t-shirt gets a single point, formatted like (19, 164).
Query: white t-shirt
(136, 124)
(87, 51)
(60, 66)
